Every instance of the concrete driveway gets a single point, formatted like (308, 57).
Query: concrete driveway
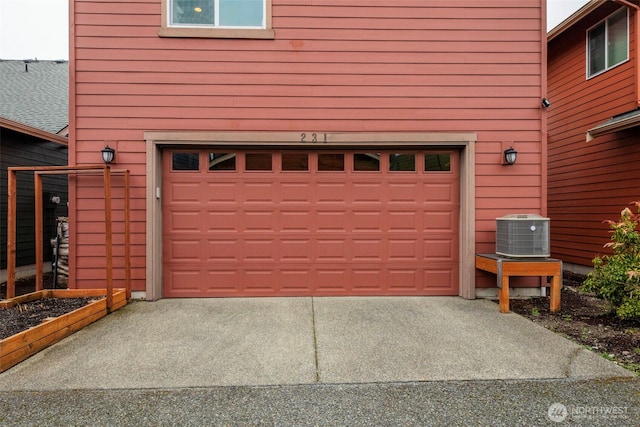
(181, 343)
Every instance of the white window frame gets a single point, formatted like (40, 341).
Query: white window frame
(605, 22)
(168, 29)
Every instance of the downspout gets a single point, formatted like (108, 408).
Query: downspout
(636, 31)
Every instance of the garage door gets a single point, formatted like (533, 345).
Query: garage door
(298, 223)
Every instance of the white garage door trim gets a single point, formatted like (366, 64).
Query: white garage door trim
(317, 141)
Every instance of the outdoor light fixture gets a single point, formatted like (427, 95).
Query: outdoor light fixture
(108, 155)
(510, 156)
(546, 103)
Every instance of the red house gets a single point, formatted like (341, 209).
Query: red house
(594, 157)
(298, 147)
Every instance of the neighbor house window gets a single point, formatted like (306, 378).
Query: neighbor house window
(216, 18)
(608, 43)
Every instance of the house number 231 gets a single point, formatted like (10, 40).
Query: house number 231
(313, 138)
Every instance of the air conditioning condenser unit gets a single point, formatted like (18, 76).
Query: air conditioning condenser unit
(522, 236)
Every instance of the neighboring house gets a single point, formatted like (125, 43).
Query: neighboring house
(342, 147)
(594, 154)
(33, 132)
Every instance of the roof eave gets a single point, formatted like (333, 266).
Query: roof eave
(573, 19)
(615, 126)
(28, 130)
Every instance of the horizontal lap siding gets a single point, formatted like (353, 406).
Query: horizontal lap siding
(588, 182)
(19, 149)
(334, 66)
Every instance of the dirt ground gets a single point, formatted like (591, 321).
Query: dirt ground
(27, 315)
(586, 320)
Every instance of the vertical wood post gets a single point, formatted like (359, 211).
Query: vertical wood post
(37, 188)
(556, 286)
(504, 293)
(11, 234)
(108, 236)
(127, 235)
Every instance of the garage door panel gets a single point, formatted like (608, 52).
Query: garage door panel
(331, 250)
(223, 250)
(258, 192)
(295, 250)
(182, 192)
(259, 280)
(367, 250)
(368, 220)
(329, 232)
(298, 193)
(402, 193)
(439, 249)
(331, 220)
(263, 220)
(184, 280)
(331, 280)
(438, 281)
(185, 221)
(222, 221)
(259, 250)
(440, 221)
(185, 250)
(224, 282)
(295, 221)
(403, 220)
(368, 279)
(367, 193)
(403, 249)
(221, 193)
(331, 193)
(403, 279)
(434, 193)
(295, 280)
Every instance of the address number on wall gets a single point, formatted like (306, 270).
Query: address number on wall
(313, 137)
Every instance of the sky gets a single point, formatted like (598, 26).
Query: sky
(39, 28)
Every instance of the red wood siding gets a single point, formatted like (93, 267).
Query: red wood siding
(588, 182)
(334, 66)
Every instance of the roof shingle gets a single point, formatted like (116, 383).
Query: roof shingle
(35, 93)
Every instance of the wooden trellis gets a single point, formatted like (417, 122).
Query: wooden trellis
(39, 171)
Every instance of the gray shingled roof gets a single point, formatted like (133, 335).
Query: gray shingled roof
(38, 98)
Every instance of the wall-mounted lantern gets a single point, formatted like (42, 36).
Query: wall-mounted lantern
(510, 156)
(108, 155)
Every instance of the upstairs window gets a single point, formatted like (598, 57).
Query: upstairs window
(608, 43)
(217, 18)
(218, 13)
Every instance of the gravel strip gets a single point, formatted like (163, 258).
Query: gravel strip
(455, 403)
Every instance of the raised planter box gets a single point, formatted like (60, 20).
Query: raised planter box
(18, 347)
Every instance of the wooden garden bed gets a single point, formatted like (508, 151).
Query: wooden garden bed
(20, 346)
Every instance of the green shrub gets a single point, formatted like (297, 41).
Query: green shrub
(616, 277)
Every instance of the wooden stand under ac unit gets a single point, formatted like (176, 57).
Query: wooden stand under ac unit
(506, 267)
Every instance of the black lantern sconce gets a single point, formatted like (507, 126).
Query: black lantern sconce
(545, 103)
(510, 156)
(108, 155)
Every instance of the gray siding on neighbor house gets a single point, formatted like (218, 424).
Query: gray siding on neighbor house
(17, 149)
